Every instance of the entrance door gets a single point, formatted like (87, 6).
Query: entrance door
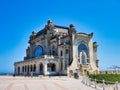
(41, 68)
(51, 67)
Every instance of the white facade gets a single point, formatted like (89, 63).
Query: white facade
(58, 50)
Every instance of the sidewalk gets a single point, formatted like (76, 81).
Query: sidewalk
(41, 83)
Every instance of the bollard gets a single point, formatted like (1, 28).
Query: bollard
(86, 80)
(95, 83)
(89, 81)
(103, 85)
(116, 85)
(83, 80)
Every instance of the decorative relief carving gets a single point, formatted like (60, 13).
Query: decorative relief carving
(81, 41)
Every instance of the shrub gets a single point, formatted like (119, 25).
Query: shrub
(109, 78)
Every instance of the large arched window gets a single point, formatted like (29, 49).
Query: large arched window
(83, 54)
(38, 51)
(81, 48)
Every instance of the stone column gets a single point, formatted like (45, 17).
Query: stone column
(57, 66)
(45, 68)
(20, 69)
(64, 57)
(37, 68)
(15, 69)
(91, 52)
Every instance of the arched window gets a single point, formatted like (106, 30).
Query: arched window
(82, 53)
(83, 59)
(82, 47)
(38, 51)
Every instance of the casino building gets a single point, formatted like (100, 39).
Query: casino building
(59, 50)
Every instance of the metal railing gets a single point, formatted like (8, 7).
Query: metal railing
(100, 84)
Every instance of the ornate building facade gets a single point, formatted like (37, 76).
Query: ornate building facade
(59, 50)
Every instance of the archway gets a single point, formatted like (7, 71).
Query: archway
(18, 70)
(41, 68)
(34, 67)
(28, 69)
(22, 69)
(25, 68)
(51, 67)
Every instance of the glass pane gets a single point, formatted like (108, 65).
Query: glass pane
(38, 52)
(83, 59)
(82, 47)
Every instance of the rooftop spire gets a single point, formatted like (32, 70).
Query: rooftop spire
(72, 28)
(71, 25)
(49, 22)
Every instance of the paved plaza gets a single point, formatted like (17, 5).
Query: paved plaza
(41, 83)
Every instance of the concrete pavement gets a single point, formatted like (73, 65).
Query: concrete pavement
(41, 83)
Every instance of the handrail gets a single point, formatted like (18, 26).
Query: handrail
(100, 86)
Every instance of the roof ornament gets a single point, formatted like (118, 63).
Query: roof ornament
(71, 26)
(49, 23)
(33, 32)
(91, 34)
(72, 29)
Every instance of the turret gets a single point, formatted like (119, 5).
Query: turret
(49, 25)
(95, 46)
(33, 35)
(72, 34)
(71, 29)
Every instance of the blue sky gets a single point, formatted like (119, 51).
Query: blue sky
(18, 18)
